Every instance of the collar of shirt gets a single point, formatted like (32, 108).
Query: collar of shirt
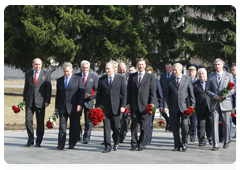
(180, 77)
(111, 76)
(219, 74)
(35, 72)
(86, 74)
(142, 73)
(68, 78)
(169, 73)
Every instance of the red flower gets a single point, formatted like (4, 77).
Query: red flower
(230, 87)
(126, 110)
(129, 111)
(191, 109)
(147, 110)
(219, 123)
(149, 105)
(49, 125)
(150, 113)
(150, 109)
(129, 115)
(93, 93)
(233, 115)
(185, 112)
(95, 123)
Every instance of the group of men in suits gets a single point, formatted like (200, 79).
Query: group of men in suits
(134, 91)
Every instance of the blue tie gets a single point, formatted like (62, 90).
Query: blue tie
(66, 83)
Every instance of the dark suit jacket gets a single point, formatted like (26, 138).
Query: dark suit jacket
(126, 76)
(41, 92)
(176, 96)
(139, 97)
(91, 83)
(202, 99)
(164, 81)
(159, 95)
(111, 98)
(234, 95)
(68, 99)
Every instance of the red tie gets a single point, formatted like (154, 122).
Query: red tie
(35, 78)
(84, 79)
(178, 82)
(140, 79)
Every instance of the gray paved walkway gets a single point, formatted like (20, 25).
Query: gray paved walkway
(159, 152)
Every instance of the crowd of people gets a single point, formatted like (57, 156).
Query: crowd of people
(120, 92)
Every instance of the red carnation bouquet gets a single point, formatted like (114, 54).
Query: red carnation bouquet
(17, 108)
(129, 113)
(189, 112)
(160, 122)
(96, 115)
(233, 113)
(52, 120)
(224, 92)
(150, 109)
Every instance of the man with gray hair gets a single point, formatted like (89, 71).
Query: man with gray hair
(178, 89)
(203, 108)
(115, 65)
(68, 103)
(90, 82)
(216, 83)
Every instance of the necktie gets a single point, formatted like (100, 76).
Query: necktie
(219, 80)
(66, 83)
(168, 75)
(203, 85)
(35, 78)
(140, 79)
(84, 79)
(110, 82)
(178, 82)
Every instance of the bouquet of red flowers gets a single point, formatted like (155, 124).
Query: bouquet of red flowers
(129, 113)
(161, 122)
(52, 120)
(189, 111)
(224, 92)
(96, 115)
(150, 109)
(17, 108)
(233, 113)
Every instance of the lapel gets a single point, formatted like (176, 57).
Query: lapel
(61, 81)
(106, 81)
(31, 78)
(40, 77)
(223, 79)
(199, 84)
(114, 80)
(88, 78)
(183, 79)
(145, 77)
(71, 80)
(215, 79)
(135, 78)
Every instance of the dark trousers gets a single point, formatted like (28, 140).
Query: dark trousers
(125, 120)
(150, 129)
(40, 114)
(193, 126)
(204, 126)
(111, 122)
(168, 121)
(73, 131)
(235, 121)
(88, 124)
(175, 118)
(143, 120)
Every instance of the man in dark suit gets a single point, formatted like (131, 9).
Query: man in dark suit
(69, 102)
(90, 81)
(204, 117)
(158, 103)
(234, 73)
(141, 91)
(36, 97)
(192, 72)
(216, 83)
(111, 94)
(165, 77)
(177, 91)
(125, 119)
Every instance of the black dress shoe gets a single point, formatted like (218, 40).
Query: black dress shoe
(106, 151)
(85, 142)
(215, 148)
(37, 145)
(71, 147)
(176, 149)
(192, 140)
(133, 148)
(225, 145)
(202, 144)
(60, 147)
(103, 143)
(140, 148)
(29, 144)
(210, 142)
(115, 147)
(184, 148)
